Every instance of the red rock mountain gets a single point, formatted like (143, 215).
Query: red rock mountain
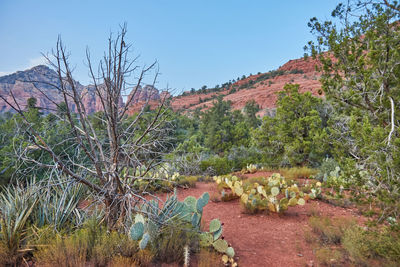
(262, 88)
(39, 82)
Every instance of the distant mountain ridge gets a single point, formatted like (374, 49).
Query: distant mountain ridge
(262, 88)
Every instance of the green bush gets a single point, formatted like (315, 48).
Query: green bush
(328, 165)
(373, 246)
(242, 156)
(216, 165)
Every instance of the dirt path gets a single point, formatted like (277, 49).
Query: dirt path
(265, 240)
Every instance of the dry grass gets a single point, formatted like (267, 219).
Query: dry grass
(329, 257)
(298, 172)
(330, 230)
(207, 258)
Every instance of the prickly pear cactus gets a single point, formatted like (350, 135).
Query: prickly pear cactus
(137, 231)
(220, 245)
(274, 194)
(146, 230)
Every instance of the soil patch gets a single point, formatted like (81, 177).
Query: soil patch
(266, 240)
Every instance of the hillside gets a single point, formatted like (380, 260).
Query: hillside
(261, 87)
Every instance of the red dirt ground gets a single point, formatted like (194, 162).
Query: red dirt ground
(266, 240)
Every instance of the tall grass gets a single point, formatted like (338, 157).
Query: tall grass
(298, 172)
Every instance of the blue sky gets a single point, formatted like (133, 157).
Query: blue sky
(195, 42)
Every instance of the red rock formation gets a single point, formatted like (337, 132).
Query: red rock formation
(262, 88)
(37, 82)
(264, 92)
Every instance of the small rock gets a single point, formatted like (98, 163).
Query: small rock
(310, 264)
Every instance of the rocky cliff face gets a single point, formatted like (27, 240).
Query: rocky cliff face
(41, 82)
(262, 88)
(147, 94)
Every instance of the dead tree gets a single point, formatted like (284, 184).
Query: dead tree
(125, 154)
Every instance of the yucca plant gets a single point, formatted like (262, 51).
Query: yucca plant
(58, 206)
(16, 205)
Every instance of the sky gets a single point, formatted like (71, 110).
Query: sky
(195, 42)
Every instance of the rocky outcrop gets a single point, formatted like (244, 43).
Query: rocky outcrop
(41, 82)
(146, 95)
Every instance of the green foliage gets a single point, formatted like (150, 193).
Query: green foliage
(360, 77)
(222, 128)
(342, 238)
(216, 165)
(297, 135)
(369, 247)
(328, 165)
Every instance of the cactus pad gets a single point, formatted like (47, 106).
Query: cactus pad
(225, 259)
(230, 252)
(244, 198)
(220, 245)
(139, 218)
(217, 234)
(215, 225)
(136, 231)
(275, 191)
(191, 202)
(206, 239)
(196, 219)
(293, 201)
(144, 241)
(301, 201)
